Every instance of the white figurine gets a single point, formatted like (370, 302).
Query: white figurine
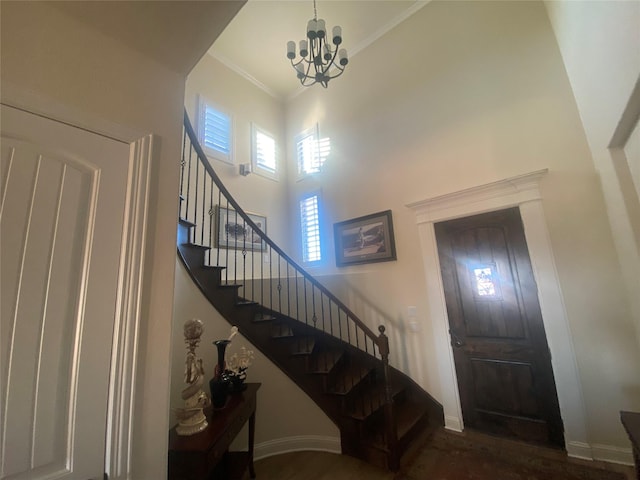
(191, 418)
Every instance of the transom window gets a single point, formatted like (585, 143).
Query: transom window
(311, 151)
(215, 131)
(264, 152)
(310, 228)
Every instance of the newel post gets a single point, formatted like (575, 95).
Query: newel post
(391, 430)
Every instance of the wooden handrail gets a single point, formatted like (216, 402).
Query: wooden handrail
(378, 341)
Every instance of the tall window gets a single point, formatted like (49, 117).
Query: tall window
(264, 152)
(215, 131)
(311, 151)
(310, 228)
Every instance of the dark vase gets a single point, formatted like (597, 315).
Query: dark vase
(237, 382)
(219, 384)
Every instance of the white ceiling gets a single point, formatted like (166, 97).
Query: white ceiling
(254, 43)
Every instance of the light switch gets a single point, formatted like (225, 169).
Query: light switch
(412, 311)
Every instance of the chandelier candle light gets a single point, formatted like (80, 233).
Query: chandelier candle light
(316, 55)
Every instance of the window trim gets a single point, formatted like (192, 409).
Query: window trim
(257, 168)
(212, 153)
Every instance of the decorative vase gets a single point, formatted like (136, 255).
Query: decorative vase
(219, 384)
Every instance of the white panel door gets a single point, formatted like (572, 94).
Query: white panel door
(63, 195)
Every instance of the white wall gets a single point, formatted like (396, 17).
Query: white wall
(468, 93)
(600, 45)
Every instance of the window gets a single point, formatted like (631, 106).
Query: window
(263, 153)
(311, 151)
(486, 281)
(215, 132)
(310, 228)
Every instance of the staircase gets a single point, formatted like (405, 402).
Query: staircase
(296, 322)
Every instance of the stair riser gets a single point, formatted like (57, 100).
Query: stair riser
(193, 255)
(184, 234)
(209, 278)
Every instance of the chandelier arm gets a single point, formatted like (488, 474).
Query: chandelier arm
(307, 76)
(332, 62)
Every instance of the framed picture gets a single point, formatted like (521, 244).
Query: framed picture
(365, 239)
(233, 232)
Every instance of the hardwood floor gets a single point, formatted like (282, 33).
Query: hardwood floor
(317, 466)
(446, 456)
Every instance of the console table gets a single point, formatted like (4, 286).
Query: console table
(205, 455)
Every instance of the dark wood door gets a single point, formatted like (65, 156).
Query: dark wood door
(500, 348)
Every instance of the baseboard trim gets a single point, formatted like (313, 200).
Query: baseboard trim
(579, 450)
(297, 444)
(596, 451)
(609, 453)
(453, 423)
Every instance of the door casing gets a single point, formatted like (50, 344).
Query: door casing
(523, 191)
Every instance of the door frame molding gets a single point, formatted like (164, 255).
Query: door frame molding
(522, 191)
(125, 353)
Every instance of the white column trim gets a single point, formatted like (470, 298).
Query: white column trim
(118, 461)
(522, 191)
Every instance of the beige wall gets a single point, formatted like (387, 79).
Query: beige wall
(600, 46)
(55, 59)
(284, 411)
(247, 103)
(466, 93)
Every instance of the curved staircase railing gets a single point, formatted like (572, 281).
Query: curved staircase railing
(295, 292)
(264, 273)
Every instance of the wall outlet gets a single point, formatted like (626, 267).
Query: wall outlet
(412, 311)
(266, 258)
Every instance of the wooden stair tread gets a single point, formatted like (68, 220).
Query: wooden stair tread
(303, 346)
(212, 267)
(281, 330)
(246, 303)
(195, 246)
(349, 379)
(407, 416)
(325, 361)
(263, 318)
(371, 401)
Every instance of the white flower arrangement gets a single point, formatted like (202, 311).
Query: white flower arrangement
(239, 362)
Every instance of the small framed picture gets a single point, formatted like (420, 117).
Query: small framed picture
(365, 239)
(234, 232)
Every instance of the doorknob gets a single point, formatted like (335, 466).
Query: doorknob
(455, 340)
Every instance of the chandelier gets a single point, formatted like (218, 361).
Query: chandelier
(317, 57)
